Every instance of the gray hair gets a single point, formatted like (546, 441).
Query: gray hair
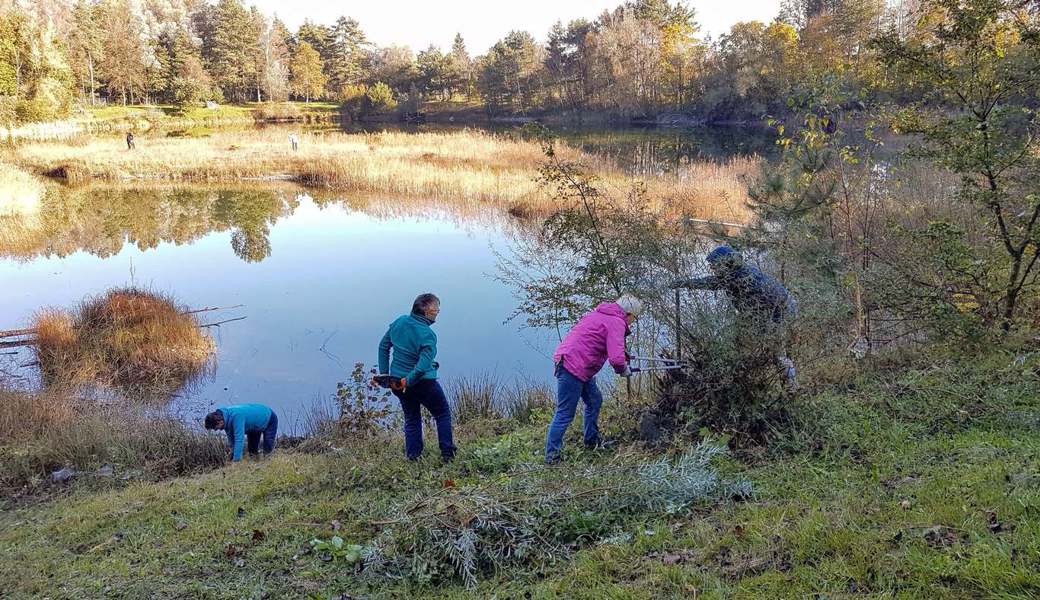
(423, 302)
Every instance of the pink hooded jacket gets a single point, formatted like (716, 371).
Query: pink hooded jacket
(597, 337)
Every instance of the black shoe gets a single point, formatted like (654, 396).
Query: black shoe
(600, 443)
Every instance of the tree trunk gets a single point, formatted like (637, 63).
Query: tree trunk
(93, 87)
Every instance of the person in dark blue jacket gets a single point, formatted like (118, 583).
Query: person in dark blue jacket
(761, 300)
(414, 375)
(254, 426)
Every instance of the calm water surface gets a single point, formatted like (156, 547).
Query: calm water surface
(320, 281)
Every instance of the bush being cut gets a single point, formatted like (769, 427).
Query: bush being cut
(128, 338)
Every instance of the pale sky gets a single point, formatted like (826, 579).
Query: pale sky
(419, 23)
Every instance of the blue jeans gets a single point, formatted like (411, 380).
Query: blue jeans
(568, 390)
(269, 434)
(426, 393)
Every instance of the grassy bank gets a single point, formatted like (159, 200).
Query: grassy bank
(465, 165)
(166, 116)
(96, 444)
(117, 118)
(917, 482)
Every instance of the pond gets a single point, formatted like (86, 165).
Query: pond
(319, 280)
(319, 275)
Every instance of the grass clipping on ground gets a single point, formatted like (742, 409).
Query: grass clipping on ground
(467, 532)
(128, 338)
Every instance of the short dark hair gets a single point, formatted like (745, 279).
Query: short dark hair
(213, 420)
(424, 301)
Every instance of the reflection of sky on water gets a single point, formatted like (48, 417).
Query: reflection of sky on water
(318, 303)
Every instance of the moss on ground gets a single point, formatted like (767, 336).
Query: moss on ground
(922, 483)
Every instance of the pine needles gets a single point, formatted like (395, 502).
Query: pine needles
(528, 519)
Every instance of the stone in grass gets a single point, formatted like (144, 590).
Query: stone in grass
(62, 475)
(106, 471)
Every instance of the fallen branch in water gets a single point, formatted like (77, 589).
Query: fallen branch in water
(17, 343)
(211, 308)
(32, 330)
(219, 323)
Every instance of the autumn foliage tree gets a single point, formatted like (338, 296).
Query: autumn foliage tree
(307, 77)
(976, 65)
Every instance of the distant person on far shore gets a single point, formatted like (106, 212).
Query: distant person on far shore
(252, 426)
(294, 140)
(130, 140)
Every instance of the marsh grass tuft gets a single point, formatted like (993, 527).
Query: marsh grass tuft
(52, 430)
(135, 340)
(484, 396)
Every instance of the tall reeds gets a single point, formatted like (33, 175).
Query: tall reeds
(461, 165)
(484, 396)
(132, 339)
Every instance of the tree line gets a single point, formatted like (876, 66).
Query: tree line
(646, 57)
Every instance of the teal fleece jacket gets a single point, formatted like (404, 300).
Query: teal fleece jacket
(240, 419)
(415, 348)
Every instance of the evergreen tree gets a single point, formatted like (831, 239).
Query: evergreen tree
(460, 68)
(434, 72)
(347, 63)
(84, 44)
(509, 73)
(230, 54)
(184, 79)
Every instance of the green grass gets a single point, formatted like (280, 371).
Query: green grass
(922, 483)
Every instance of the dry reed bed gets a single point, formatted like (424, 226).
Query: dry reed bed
(458, 166)
(43, 432)
(135, 340)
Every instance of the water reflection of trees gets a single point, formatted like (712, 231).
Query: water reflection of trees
(102, 220)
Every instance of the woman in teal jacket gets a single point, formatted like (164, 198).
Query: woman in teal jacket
(245, 425)
(413, 375)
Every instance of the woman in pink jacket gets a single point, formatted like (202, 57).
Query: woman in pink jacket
(597, 338)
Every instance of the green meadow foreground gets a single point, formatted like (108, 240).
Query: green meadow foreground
(909, 480)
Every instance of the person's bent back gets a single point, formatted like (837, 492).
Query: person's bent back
(249, 426)
(597, 338)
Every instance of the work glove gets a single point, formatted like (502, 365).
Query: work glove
(399, 385)
(678, 284)
(627, 372)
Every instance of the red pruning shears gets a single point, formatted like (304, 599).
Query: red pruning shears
(391, 382)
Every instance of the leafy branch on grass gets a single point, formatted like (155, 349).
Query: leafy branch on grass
(464, 532)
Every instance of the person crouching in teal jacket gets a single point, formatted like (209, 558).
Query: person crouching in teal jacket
(414, 375)
(245, 425)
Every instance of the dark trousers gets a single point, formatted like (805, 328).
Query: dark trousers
(269, 434)
(426, 393)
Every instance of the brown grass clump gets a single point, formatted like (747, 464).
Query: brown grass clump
(128, 338)
(41, 433)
